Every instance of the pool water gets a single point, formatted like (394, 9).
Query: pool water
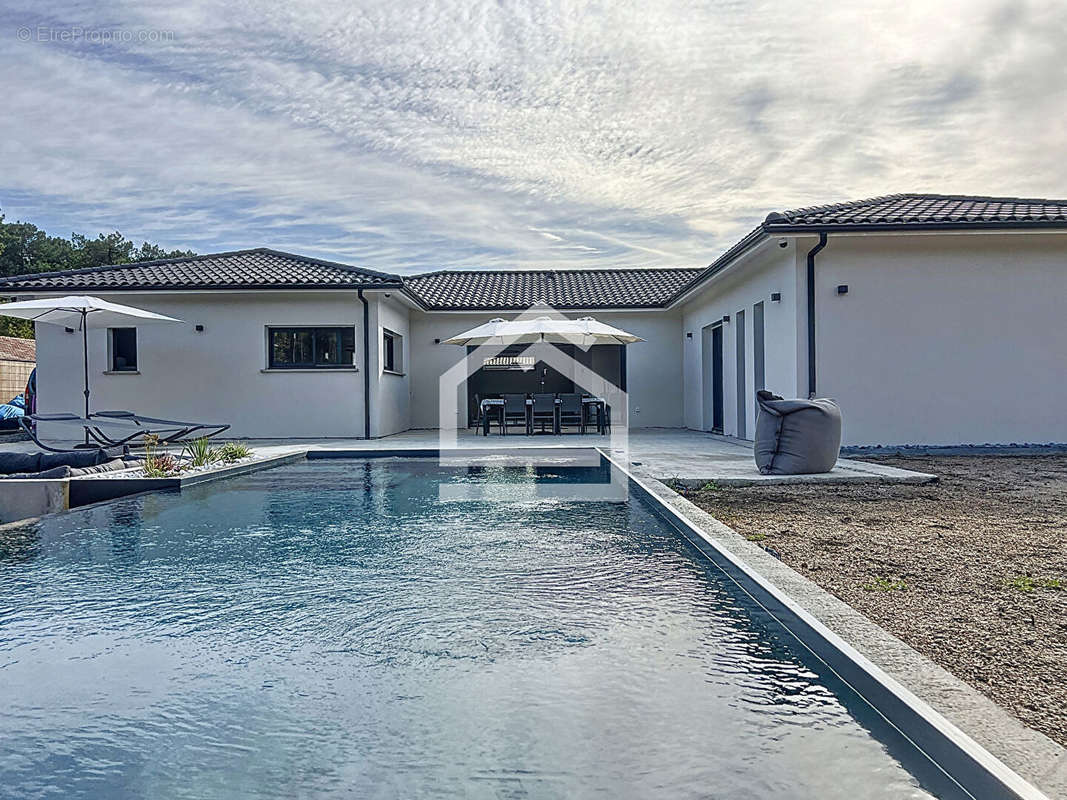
(334, 628)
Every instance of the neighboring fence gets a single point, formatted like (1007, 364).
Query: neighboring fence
(13, 377)
(17, 360)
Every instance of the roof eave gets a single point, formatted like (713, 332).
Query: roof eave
(255, 287)
(754, 238)
(905, 227)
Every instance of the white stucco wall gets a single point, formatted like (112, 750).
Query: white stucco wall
(654, 367)
(390, 392)
(945, 339)
(770, 269)
(216, 375)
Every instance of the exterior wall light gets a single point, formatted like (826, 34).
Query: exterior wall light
(688, 334)
(437, 341)
(725, 318)
(776, 297)
(199, 328)
(842, 288)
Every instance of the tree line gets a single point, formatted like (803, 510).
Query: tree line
(26, 249)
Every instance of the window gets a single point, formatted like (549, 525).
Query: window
(311, 348)
(122, 349)
(392, 351)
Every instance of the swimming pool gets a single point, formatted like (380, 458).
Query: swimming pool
(335, 628)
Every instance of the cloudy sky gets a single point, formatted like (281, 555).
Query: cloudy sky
(409, 136)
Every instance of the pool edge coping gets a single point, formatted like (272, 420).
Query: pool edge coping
(883, 652)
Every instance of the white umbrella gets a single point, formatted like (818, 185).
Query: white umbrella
(585, 331)
(79, 311)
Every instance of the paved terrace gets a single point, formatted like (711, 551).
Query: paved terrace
(691, 457)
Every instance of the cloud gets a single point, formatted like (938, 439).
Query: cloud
(415, 136)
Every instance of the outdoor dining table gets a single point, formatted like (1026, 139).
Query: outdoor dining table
(587, 403)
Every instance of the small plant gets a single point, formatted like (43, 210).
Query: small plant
(161, 465)
(201, 453)
(232, 451)
(158, 465)
(710, 486)
(756, 537)
(881, 584)
(1027, 583)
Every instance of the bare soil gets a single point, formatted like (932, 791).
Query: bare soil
(970, 571)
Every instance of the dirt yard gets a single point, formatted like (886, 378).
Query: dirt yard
(970, 571)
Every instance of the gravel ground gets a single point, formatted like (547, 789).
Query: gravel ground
(970, 571)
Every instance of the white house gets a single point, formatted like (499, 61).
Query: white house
(931, 319)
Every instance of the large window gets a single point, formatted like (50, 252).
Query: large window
(122, 349)
(392, 351)
(311, 348)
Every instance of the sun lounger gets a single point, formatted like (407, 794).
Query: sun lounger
(118, 428)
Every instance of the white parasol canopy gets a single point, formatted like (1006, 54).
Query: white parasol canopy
(584, 332)
(76, 311)
(81, 312)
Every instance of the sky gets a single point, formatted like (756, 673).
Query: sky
(415, 136)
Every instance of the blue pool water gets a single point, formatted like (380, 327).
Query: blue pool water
(334, 629)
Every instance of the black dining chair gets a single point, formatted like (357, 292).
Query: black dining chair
(513, 412)
(571, 412)
(544, 408)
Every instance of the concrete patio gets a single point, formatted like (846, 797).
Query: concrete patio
(681, 457)
(689, 457)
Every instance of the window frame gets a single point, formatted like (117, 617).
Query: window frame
(392, 345)
(314, 331)
(112, 367)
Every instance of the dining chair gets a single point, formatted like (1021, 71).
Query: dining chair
(571, 412)
(513, 412)
(544, 408)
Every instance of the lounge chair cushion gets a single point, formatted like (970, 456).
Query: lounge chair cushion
(796, 437)
(67, 471)
(113, 465)
(26, 463)
(62, 471)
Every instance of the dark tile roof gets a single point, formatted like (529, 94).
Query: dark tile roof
(575, 288)
(242, 269)
(513, 290)
(897, 212)
(13, 348)
(906, 211)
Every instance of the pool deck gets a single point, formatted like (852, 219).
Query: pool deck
(688, 457)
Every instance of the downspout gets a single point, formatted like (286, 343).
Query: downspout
(811, 312)
(366, 364)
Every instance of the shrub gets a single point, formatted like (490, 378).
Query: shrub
(161, 465)
(201, 453)
(158, 465)
(232, 451)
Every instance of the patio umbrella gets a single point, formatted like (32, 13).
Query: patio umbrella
(81, 312)
(585, 331)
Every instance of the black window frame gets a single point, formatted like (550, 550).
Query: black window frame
(315, 331)
(392, 352)
(113, 349)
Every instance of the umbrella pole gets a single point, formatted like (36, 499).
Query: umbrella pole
(85, 364)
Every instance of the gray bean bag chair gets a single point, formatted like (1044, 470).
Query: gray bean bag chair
(796, 437)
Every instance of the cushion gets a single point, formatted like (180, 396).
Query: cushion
(62, 471)
(108, 466)
(796, 437)
(12, 463)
